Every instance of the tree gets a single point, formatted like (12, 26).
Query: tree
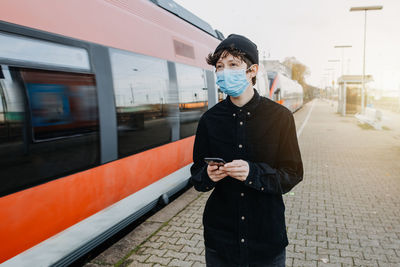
(299, 70)
(299, 73)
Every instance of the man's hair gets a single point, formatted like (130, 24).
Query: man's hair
(212, 59)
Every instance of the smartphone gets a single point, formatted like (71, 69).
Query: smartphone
(215, 161)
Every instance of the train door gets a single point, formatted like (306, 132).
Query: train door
(3, 121)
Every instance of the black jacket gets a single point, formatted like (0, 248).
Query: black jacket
(245, 221)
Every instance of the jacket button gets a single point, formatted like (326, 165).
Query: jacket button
(240, 146)
(234, 114)
(250, 182)
(207, 187)
(242, 194)
(262, 188)
(242, 240)
(241, 123)
(242, 218)
(248, 113)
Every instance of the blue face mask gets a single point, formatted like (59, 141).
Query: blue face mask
(232, 82)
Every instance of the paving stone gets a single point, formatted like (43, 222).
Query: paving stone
(312, 256)
(163, 232)
(302, 249)
(194, 250)
(295, 255)
(183, 241)
(373, 256)
(159, 260)
(298, 242)
(196, 257)
(140, 264)
(183, 235)
(328, 264)
(173, 247)
(180, 263)
(152, 244)
(197, 237)
(354, 254)
(167, 239)
(176, 255)
(321, 244)
(153, 251)
(344, 260)
(139, 258)
(387, 264)
(338, 246)
(297, 262)
(289, 262)
(393, 259)
(195, 231)
(362, 262)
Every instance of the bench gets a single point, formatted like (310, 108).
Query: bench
(372, 117)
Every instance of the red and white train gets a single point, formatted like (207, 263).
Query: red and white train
(285, 91)
(99, 104)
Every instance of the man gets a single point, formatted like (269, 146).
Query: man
(244, 223)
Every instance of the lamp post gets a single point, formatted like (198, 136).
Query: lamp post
(335, 61)
(365, 9)
(330, 72)
(342, 47)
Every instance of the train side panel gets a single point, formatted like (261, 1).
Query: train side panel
(139, 27)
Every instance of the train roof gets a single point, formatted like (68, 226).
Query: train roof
(188, 16)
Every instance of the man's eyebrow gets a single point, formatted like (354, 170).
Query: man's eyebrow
(230, 60)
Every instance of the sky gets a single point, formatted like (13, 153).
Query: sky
(309, 30)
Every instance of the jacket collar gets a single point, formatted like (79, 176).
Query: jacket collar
(248, 107)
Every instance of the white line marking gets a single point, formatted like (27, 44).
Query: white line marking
(305, 121)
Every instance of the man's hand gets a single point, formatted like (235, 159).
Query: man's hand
(215, 174)
(238, 169)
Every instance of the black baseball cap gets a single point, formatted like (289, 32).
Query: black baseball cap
(241, 43)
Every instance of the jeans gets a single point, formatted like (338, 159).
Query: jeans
(213, 260)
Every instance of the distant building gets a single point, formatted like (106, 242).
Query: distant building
(275, 65)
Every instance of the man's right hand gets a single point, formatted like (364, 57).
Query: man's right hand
(214, 173)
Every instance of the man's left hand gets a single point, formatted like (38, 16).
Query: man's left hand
(238, 169)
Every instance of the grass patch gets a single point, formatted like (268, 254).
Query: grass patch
(365, 126)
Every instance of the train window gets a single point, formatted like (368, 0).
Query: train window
(48, 126)
(61, 104)
(192, 98)
(143, 101)
(23, 49)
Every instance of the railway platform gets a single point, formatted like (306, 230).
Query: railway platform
(346, 211)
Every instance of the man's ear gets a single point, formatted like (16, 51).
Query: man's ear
(254, 69)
